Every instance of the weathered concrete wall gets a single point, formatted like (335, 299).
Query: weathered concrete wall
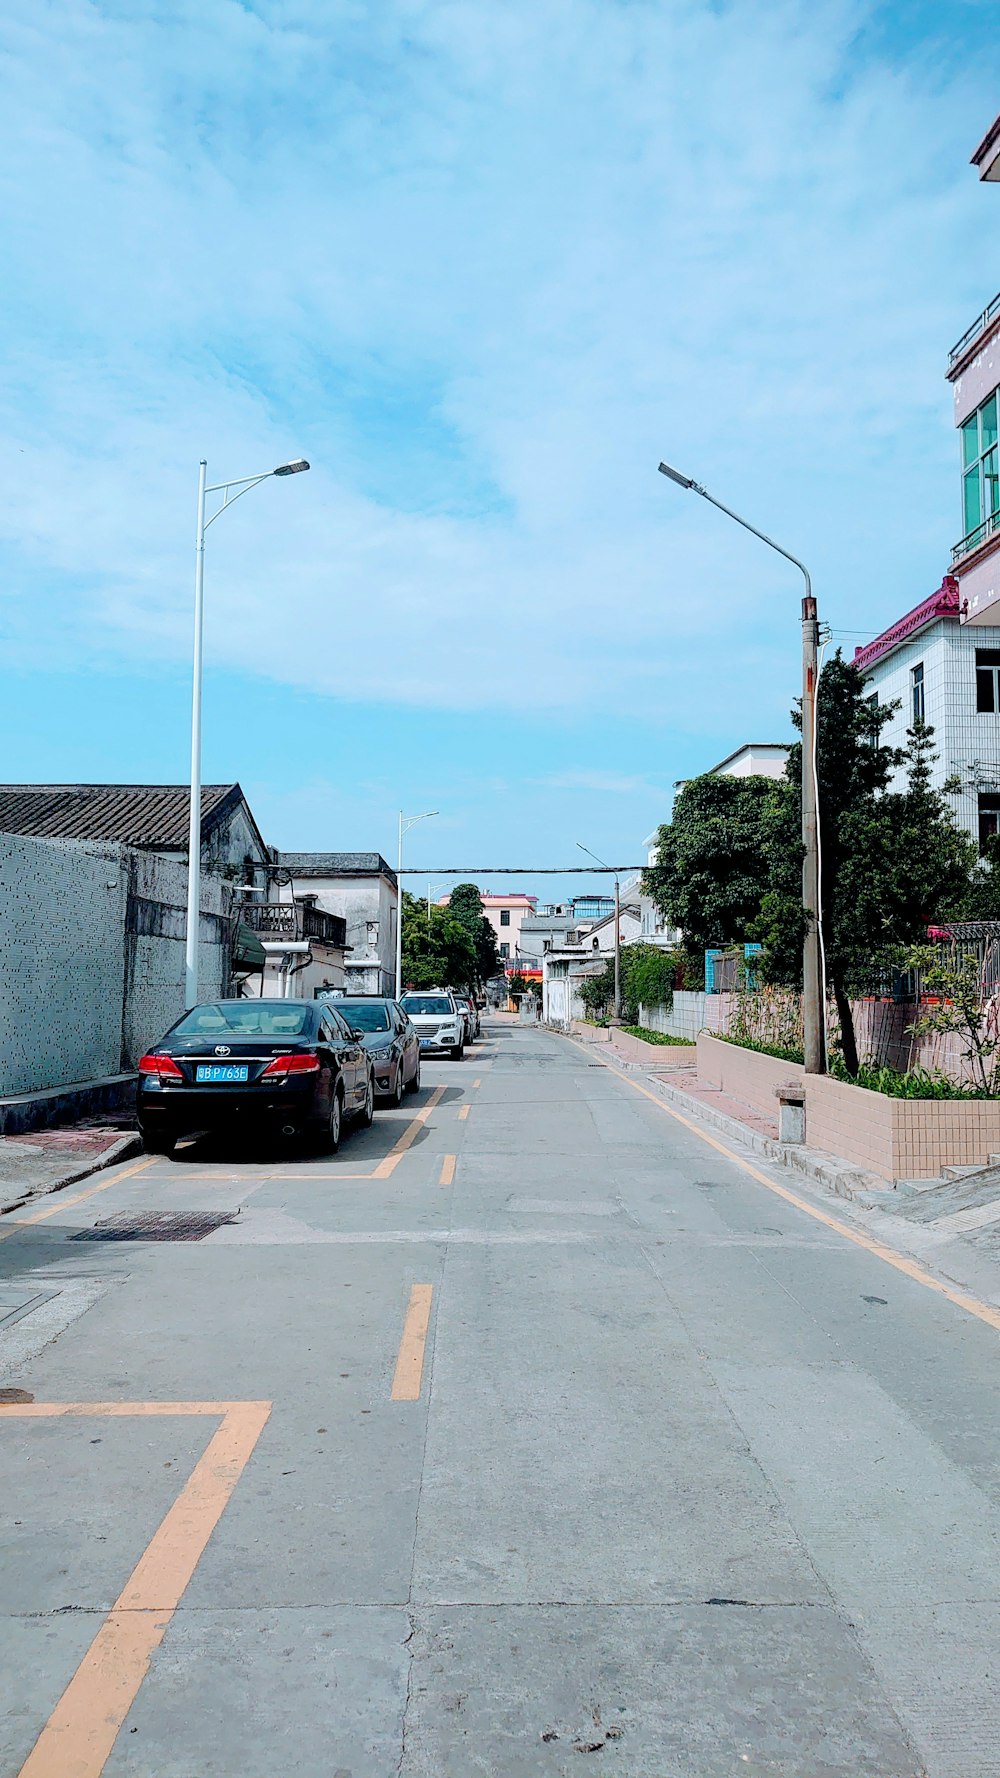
(92, 957)
(368, 905)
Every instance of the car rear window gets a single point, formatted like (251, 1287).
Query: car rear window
(245, 1018)
(366, 1018)
(422, 1004)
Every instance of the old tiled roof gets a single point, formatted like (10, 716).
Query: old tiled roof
(144, 815)
(336, 864)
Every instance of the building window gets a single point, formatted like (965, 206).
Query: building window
(987, 680)
(989, 818)
(505, 950)
(917, 691)
(980, 481)
(505, 916)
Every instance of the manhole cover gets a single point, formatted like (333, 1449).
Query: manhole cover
(157, 1225)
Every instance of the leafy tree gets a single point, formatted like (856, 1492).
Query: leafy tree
(713, 868)
(516, 984)
(437, 952)
(891, 860)
(466, 905)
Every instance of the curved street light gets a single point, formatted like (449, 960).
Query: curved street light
(813, 971)
(242, 484)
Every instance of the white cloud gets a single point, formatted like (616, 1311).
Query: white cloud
(484, 265)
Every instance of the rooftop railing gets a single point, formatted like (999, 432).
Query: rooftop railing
(976, 537)
(988, 314)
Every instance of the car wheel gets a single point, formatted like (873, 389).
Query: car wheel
(413, 1086)
(458, 1052)
(336, 1124)
(367, 1112)
(159, 1145)
(397, 1091)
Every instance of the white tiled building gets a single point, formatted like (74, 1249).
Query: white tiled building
(947, 674)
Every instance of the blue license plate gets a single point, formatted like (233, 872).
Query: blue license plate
(221, 1071)
(428, 1043)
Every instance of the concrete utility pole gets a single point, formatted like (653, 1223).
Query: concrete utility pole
(243, 484)
(813, 982)
(618, 929)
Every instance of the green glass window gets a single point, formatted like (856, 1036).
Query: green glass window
(970, 440)
(988, 424)
(973, 512)
(990, 487)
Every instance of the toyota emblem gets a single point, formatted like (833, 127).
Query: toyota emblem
(222, 1049)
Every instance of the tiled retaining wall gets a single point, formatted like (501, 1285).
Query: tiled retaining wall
(744, 1073)
(894, 1138)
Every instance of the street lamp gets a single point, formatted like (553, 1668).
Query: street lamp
(618, 929)
(243, 484)
(405, 823)
(813, 985)
(430, 890)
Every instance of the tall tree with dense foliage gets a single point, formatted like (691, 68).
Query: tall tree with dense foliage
(891, 860)
(713, 869)
(466, 905)
(437, 952)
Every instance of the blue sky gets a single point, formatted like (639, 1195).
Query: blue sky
(483, 265)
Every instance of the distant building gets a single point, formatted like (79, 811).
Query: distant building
(360, 888)
(755, 759)
(974, 372)
(506, 914)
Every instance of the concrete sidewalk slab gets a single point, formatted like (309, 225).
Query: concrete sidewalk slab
(48, 1160)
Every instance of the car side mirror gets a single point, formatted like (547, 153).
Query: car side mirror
(356, 1033)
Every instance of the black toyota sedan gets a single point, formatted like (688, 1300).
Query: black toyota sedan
(298, 1067)
(391, 1041)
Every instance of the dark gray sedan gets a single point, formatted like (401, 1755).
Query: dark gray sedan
(391, 1042)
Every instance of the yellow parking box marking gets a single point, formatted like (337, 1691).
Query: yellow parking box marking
(407, 1381)
(64, 1203)
(463, 1111)
(447, 1170)
(386, 1168)
(82, 1730)
(911, 1268)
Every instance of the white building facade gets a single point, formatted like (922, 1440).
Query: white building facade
(946, 674)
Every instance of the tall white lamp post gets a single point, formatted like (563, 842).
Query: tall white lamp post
(405, 823)
(230, 491)
(813, 983)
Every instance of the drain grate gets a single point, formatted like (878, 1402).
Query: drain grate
(158, 1225)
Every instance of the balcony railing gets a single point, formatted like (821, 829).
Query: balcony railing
(976, 537)
(294, 920)
(989, 314)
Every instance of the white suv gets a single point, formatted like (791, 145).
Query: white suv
(437, 1021)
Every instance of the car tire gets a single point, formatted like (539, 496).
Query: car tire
(335, 1126)
(164, 1145)
(398, 1086)
(458, 1052)
(413, 1086)
(367, 1112)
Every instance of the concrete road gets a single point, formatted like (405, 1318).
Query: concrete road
(586, 1452)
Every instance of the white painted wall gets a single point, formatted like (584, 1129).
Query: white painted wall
(81, 996)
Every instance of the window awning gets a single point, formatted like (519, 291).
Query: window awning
(248, 952)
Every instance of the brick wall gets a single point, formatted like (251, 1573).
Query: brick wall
(744, 1073)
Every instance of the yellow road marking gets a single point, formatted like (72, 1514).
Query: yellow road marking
(63, 1203)
(410, 1363)
(477, 1083)
(386, 1168)
(900, 1261)
(463, 1111)
(447, 1170)
(80, 1733)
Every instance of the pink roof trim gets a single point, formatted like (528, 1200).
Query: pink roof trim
(943, 603)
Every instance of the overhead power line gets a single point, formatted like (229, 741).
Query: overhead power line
(520, 870)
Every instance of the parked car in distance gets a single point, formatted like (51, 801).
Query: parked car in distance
(297, 1067)
(391, 1041)
(439, 1024)
(468, 1007)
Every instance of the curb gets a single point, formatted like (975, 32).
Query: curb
(118, 1151)
(835, 1175)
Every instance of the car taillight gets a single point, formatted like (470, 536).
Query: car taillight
(160, 1065)
(305, 1064)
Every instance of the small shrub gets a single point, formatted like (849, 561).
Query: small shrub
(916, 1083)
(649, 1036)
(786, 1054)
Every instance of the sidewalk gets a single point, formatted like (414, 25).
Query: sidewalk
(47, 1160)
